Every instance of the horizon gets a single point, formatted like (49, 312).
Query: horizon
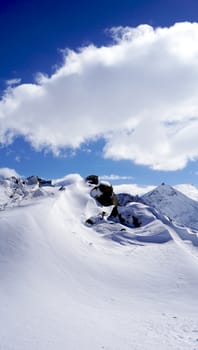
(120, 104)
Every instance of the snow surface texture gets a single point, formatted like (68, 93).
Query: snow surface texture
(66, 284)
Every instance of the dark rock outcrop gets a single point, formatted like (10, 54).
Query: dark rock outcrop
(32, 180)
(35, 180)
(43, 182)
(62, 188)
(104, 194)
(136, 221)
(92, 179)
(133, 215)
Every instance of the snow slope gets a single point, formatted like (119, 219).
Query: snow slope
(174, 204)
(67, 285)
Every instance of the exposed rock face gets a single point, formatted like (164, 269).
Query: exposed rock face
(43, 182)
(92, 179)
(125, 198)
(94, 220)
(104, 194)
(32, 180)
(62, 188)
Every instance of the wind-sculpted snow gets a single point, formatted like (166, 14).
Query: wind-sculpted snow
(151, 228)
(70, 285)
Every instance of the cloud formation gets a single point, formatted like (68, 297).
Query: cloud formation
(13, 81)
(139, 94)
(8, 172)
(113, 177)
(133, 189)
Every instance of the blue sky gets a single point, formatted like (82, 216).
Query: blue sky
(72, 118)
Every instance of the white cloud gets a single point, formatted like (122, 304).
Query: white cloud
(133, 189)
(113, 177)
(18, 158)
(7, 172)
(140, 94)
(14, 81)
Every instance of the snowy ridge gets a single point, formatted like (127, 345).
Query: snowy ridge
(173, 204)
(113, 285)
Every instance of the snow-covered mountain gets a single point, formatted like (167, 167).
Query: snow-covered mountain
(173, 204)
(76, 275)
(188, 189)
(15, 191)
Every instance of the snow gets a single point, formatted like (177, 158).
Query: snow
(67, 285)
(174, 204)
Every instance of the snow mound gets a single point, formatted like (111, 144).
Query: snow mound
(67, 180)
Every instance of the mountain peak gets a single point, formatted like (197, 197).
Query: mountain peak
(174, 204)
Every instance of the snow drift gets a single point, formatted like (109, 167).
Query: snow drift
(66, 284)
